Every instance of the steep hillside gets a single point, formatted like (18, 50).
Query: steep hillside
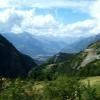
(85, 63)
(12, 62)
(59, 57)
(90, 65)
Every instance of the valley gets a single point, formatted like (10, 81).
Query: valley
(49, 49)
(80, 70)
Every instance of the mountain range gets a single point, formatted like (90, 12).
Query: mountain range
(14, 64)
(45, 47)
(80, 44)
(85, 63)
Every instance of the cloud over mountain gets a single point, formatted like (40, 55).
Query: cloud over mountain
(21, 16)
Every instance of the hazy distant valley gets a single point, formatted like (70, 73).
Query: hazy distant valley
(42, 48)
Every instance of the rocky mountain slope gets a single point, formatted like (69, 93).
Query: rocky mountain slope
(85, 63)
(12, 62)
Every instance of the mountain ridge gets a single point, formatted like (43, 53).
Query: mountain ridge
(84, 63)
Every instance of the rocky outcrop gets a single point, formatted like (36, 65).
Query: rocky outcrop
(91, 56)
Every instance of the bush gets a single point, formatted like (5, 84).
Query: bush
(64, 88)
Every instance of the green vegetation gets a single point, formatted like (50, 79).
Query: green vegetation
(61, 78)
(62, 88)
(91, 69)
(94, 82)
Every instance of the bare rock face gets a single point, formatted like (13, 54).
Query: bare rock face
(91, 56)
(12, 62)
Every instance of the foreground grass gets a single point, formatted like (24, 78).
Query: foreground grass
(44, 90)
(94, 82)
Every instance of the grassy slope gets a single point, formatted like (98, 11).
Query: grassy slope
(95, 82)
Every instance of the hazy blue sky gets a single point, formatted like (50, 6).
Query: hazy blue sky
(57, 18)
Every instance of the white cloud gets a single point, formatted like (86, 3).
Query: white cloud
(3, 3)
(39, 20)
(77, 4)
(16, 29)
(95, 10)
(80, 29)
(13, 20)
(95, 13)
(17, 21)
(40, 24)
(8, 18)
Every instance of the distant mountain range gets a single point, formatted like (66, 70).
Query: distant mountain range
(12, 62)
(81, 58)
(37, 47)
(45, 47)
(81, 44)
